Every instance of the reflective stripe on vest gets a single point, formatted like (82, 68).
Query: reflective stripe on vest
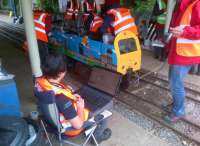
(125, 27)
(76, 9)
(69, 11)
(90, 7)
(44, 85)
(40, 20)
(40, 27)
(96, 24)
(123, 20)
(186, 47)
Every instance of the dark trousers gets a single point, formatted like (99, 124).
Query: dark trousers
(43, 50)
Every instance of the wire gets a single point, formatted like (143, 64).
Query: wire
(157, 69)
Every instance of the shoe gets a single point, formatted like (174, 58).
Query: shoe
(105, 136)
(172, 119)
(167, 107)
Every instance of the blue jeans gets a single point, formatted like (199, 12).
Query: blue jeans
(177, 74)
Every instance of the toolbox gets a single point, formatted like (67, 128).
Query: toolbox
(102, 86)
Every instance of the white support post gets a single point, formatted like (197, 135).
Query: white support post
(31, 37)
(170, 8)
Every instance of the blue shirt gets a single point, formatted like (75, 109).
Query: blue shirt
(108, 19)
(65, 107)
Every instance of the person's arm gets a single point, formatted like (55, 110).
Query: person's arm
(106, 24)
(48, 23)
(66, 107)
(78, 121)
(193, 31)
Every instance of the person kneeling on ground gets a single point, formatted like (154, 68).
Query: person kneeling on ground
(71, 106)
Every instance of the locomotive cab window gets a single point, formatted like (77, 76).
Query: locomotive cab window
(127, 45)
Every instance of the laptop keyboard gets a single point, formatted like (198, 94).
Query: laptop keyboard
(94, 99)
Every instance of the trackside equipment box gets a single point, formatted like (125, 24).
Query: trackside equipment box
(9, 100)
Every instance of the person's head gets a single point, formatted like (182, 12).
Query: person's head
(114, 5)
(54, 66)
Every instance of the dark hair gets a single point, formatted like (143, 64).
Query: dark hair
(53, 65)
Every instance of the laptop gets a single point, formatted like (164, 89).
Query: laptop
(102, 86)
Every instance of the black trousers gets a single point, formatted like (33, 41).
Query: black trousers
(43, 50)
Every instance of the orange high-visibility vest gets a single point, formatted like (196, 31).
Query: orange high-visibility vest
(69, 11)
(44, 85)
(39, 21)
(186, 47)
(72, 10)
(123, 20)
(96, 24)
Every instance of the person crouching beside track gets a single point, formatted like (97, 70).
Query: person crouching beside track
(70, 106)
(184, 51)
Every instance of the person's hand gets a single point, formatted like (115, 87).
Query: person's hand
(176, 31)
(77, 96)
(80, 102)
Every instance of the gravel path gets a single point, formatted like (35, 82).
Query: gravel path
(155, 128)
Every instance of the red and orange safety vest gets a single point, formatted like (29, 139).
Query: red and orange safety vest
(123, 20)
(72, 10)
(186, 47)
(44, 85)
(40, 26)
(96, 24)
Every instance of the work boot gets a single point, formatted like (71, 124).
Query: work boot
(167, 107)
(172, 119)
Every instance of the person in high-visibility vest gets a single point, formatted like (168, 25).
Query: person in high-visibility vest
(89, 7)
(76, 8)
(72, 10)
(43, 24)
(95, 26)
(71, 106)
(159, 17)
(69, 10)
(184, 51)
(162, 8)
(119, 19)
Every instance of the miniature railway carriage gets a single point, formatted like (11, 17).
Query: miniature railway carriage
(123, 55)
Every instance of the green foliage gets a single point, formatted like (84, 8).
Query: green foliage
(50, 5)
(5, 2)
(144, 6)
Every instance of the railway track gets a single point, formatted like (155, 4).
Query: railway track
(148, 99)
